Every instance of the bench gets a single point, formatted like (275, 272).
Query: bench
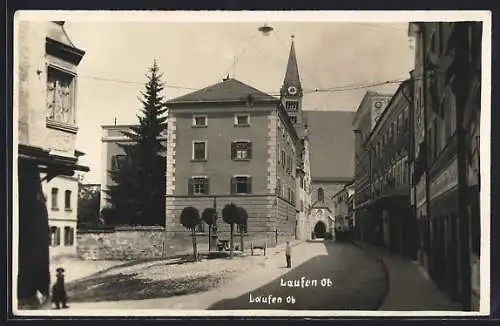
(261, 246)
(223, 245)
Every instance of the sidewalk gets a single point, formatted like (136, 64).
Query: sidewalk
(410, 288)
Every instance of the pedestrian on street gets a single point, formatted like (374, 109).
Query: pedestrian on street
(59, 296)
(288, 253)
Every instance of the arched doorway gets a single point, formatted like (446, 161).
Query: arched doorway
(320, 229)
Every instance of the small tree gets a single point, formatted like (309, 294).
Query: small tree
(242, 223)
(209, 215)
(231, 215)
(190, 218)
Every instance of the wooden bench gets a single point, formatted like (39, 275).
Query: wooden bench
(261, 246)
(223, 245)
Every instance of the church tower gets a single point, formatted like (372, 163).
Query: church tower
(291, 91)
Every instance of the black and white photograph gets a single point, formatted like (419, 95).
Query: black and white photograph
(286, 163)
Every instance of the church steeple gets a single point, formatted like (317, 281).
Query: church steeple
(292, 77)
(291, 91)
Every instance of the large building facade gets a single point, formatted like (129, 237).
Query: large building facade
(391, 220)
(446, 168)
(230, 143)
(369, 111)
(46, 83)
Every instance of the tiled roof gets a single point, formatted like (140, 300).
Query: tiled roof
(332, 144)
(227, 90)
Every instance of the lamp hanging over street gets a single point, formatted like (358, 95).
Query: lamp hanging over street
(265, 29)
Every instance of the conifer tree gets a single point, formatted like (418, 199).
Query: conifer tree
(138, 196)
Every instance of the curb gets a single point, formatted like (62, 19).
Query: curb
(384, 295)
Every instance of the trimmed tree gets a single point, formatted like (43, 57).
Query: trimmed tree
(190, 218)
(209, 216)
(138, 196)
(243, 218)
(231, 215)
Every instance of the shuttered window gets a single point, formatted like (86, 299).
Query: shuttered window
(198, 186)
(241, 150)
(241, 185)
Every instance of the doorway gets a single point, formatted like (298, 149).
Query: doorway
(320, 230)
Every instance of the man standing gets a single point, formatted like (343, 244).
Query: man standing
(288, 253)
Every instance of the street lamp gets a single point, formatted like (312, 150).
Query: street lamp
(265, 29)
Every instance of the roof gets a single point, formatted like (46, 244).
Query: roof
(332, 144)
(228, 90)
(57, 32)
(292, 71)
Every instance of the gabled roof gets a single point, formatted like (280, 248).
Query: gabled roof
(227, 90)
(292, 77)
(332, 144)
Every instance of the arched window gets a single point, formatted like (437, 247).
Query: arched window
(321, 195)
(54, 236)
(69, 236)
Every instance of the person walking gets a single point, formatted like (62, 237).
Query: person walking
(288, 253)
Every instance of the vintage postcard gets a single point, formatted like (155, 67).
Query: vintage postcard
(251, 163)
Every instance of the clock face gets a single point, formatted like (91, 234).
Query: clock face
(378, 105)
(292, 90)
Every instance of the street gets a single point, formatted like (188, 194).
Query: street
(347, 278)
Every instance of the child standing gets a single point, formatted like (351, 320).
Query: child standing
(59, 291)
(288, 253)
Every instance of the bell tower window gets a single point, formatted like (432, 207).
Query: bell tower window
(291, 105)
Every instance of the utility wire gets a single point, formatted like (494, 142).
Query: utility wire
(238, 57)
(340, 88)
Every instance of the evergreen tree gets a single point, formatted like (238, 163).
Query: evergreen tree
(138, 198)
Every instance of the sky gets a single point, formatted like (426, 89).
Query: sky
(193, 55)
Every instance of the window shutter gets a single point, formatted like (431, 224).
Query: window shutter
(207, 186)
(190, 186)
(58, 236)
(233, 185)
(249, 150)
(233, 151)
(249, 180)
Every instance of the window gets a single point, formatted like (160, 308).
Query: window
(278, 154)
(241, 120)
(55, 194)
(283, 158)
(200, 121)
(242, 228)
(292, 105)
(301, 205)
(60, 96)
(198, 186)
(200, 228)
(321, 195)
(241, 185)
(293, 120)
(241, 150)
(199, 151)
(67, 200)
(278, 187)
(69, 236)
(117, 162)
(54, 236)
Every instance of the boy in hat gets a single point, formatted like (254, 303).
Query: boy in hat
(59, 291)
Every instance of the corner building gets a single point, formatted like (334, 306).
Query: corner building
(231, 143)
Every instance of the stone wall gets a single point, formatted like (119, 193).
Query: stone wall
(127, 243)
(133, 243)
